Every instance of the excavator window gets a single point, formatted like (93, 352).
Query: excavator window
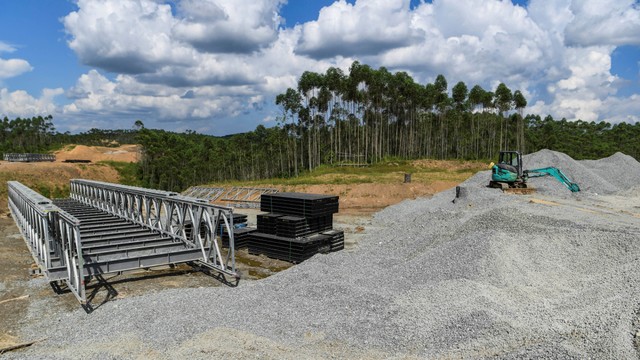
(511, 158)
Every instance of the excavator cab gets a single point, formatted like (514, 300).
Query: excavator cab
(508, 171)
(511, 161)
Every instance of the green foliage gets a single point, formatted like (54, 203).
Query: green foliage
(128, 171)
(52, 191)
(29, 135)
(581, 139)
(38, 135)
(98, 137)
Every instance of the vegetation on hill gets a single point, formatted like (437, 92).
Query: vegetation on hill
(370, 115)
(359, 118)
(39, 135)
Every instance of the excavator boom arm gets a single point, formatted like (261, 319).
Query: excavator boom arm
(556, 173)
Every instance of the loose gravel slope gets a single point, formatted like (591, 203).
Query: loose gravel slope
(552, 275)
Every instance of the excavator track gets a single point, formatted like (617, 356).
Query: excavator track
(519, 191)
(519, 188)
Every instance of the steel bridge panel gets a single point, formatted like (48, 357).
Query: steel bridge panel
(114, 228)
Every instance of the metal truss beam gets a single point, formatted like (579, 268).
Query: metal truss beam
(189, 220)
(52, 235)
(27, 157)
(203, 192)
(247, 197)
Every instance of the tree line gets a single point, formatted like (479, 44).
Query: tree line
(38, 135)
(28, 135)
(175, 161)
(360, 117)
(370, 114)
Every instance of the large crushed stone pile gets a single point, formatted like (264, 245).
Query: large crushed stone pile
(489, 275)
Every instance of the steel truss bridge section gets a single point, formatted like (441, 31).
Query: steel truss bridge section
(52, 235)
(240, 197)
(191, 221)
(108, 228)
(203, 192)
(28, 157)
(246, 197)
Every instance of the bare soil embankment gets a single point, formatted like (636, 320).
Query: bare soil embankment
(53, 177)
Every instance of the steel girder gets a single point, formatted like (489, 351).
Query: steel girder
(52, 235)
(246, 196)
(28, 157)
(206, 193)
(192, 221)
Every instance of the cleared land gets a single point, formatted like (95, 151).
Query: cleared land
(550, 275)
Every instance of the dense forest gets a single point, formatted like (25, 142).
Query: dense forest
(358, 118)
(369, 115)
(38, 135)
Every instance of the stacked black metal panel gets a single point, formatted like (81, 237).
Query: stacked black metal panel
(336, 241)
(241, 237)
(299, 204)
(293, 230)
(240, 232)
(267, 223)
(296, 226)
(239, 219)
(294, 250)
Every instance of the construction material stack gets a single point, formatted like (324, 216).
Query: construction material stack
(241, 232)
(296, 226)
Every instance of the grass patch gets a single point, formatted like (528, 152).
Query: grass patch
(388, 171)
(128, 171)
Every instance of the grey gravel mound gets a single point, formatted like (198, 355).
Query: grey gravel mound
(489, 275)
(622, 171)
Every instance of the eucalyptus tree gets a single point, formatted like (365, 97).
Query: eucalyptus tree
(476, 96)
(291, 103)
(504, 103)
(520, 103)
(442, 103)
(459, 94)
(336, 84)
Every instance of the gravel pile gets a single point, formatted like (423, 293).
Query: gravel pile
(489, 275)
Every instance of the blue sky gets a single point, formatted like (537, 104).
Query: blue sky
(215, 66)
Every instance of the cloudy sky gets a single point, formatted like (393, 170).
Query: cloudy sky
(215, 66)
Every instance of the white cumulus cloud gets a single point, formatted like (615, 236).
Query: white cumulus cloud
(12, 67)
(364, 28)
(20, 104)
(604, 22)
(219, 60)
(228, 26)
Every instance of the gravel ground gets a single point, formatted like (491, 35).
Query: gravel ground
(550, 275)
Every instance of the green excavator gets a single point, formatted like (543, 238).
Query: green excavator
(508, 174)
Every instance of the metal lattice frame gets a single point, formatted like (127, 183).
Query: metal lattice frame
(193, 221)
(246, 196)
(52, 235)
(202, 192)
(28, 157)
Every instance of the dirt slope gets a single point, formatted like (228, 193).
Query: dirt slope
(125, 153)
(52, 178)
